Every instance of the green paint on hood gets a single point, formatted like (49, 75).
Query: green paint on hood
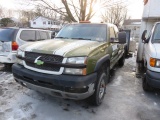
(63, 47)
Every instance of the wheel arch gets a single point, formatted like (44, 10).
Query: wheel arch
(104, 60)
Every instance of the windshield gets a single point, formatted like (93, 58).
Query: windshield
(94, 32)
(7, 34)
(156, 35)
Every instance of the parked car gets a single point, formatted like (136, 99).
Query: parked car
(76, 65)
(12, 38)
(151, 58)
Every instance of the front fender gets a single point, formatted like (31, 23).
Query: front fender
(101, 61)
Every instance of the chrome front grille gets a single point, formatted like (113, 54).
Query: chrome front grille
(48, 60)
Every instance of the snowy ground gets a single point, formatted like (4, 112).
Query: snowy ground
(124, 100)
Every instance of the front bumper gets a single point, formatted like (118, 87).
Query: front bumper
(153, 78)
(65, 86)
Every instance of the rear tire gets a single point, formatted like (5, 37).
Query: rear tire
(146, 87)
(100, 88)
(121, 60)
(126, 51)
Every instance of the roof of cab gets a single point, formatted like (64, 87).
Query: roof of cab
(102, 23)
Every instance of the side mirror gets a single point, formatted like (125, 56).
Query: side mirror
(122, 37)
(144, 39)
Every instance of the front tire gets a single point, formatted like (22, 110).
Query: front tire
(100, 89)
(121, 60)
(146, 87)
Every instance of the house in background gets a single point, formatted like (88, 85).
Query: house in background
(133, 25)
(45, 23)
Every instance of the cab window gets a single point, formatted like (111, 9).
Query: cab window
(113, 34)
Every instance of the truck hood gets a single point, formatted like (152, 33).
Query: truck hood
(157, 49)
(66, 48)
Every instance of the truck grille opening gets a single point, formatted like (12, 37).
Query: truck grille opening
(31, 57)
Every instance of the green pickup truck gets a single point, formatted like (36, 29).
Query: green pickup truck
(75, 64)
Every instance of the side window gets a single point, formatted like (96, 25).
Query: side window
(43, 35)
(116, 34)
(116, 31)
(112, 34)
(28, 35)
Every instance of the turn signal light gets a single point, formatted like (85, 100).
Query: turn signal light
(84, 71)
(152, 62)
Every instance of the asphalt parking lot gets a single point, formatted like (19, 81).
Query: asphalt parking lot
(124, 100)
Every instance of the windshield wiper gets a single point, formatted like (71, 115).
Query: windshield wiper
(81, 38)
(62, 37)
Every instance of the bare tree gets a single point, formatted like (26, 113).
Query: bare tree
(75, 10)
(39, 10)
(26, 15)
(6, 13)
(1, 12)
(115, 14)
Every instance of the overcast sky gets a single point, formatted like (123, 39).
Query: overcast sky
(135, 7)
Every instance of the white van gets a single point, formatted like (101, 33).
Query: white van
(12, 38)
(151, 58)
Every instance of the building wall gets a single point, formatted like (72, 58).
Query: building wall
(42, 22)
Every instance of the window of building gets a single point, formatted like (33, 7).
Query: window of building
(34, 22)
(44, 23)
(49, 22)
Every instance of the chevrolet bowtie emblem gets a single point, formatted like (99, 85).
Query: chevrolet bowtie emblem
(38, 62)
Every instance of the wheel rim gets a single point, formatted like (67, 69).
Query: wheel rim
(102, 88)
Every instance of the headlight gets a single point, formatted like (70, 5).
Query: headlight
(19, 61)
(158, 63)
(75, 71)
(20, 54)
(76, 60)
